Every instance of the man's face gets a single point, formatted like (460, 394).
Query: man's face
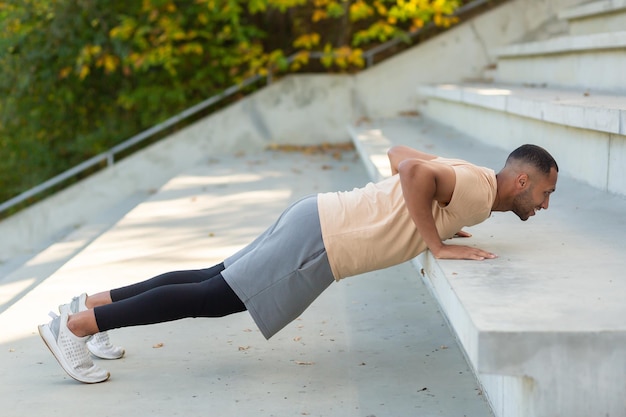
(535, 196)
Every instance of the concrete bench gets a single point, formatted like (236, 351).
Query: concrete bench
(543, 325)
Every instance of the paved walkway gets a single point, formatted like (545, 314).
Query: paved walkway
(373, 345)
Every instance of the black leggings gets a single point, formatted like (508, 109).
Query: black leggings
(170, 296)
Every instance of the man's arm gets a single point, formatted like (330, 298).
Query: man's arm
(423, 182)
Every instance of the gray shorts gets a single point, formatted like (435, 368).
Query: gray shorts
(282, 271)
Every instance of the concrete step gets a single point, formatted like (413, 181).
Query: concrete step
(358, 351)
(594, 61)
(587, 129)
(542, 325)
(595, 17)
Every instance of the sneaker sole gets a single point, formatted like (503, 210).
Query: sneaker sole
(46, 335)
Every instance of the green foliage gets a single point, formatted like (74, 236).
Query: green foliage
(79, 76)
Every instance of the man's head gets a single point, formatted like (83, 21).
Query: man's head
(526, 181)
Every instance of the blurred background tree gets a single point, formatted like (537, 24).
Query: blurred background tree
(79, 76)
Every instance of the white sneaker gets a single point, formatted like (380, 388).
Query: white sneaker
(71, 351)
(99, 345)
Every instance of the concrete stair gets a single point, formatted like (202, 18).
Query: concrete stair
(595, 17)
(567, 94)
(543, 325)
(585, 130)
(587, 61)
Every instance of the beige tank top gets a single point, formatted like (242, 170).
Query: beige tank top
(370, 228)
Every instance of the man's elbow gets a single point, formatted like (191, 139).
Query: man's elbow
(394, 158)
(396, 152)
(392, 155)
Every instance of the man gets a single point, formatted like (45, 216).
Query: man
(317, 240)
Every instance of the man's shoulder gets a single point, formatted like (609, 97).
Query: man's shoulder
(453, 161)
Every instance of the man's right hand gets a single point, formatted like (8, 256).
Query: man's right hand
(463, 252)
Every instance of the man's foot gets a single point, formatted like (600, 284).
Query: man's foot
(99, 345)
(71, 351)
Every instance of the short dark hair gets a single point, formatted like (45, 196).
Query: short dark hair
(536, 156)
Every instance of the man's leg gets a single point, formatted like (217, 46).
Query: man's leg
(208, 298)
(169, 278)
(67, 335)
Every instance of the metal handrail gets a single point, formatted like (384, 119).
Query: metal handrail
(109, 156)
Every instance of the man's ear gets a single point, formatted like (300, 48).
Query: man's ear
(522, 181)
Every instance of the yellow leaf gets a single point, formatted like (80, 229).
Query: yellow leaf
(65, 72)
(319, 15)
(380, 8)
(418, 23)
(84, 72)
(302, 57)
(307, 41)
(360, 10)
(170, 7)
(110, 63)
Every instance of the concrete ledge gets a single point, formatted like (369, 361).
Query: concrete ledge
(592, 9)
(585, 131)
(565, 44)
(542, 325)
(588, 61)
(579, 109)
(596, 17)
